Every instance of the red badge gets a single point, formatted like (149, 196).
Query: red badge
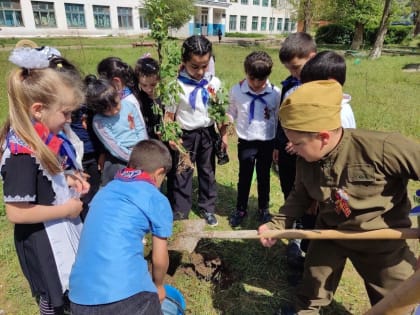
(342, 202)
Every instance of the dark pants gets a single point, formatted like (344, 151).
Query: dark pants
(287, 170)
(111, 166)
(382, 264)
(90, 167)
(144, 303)
(258, 154)
(199, 143)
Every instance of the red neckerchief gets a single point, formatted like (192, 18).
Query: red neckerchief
(17, 145)
(58, 144)
(131, 174)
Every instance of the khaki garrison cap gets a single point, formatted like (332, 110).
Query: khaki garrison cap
(313, 107)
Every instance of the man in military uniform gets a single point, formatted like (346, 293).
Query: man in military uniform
(360, 180)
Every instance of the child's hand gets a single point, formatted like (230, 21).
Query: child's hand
(74, 207)
(276, 155)
(161, 292)
(173, 144)
(225, 142)
(77, 181)
(266, 242)
(290, 148)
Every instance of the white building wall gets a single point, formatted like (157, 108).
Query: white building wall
(218, 13)
(29, 28)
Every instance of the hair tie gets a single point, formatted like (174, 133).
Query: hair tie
(29, 57)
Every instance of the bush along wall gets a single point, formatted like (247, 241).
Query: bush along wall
(343, 35)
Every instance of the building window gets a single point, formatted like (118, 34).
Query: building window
(125, 17)
(274, 3)
(242, 26)
(293, 26)
(286, 24)
(265, 3)
(144, 23)
(256, 2)
(102, 16)
(232, 22)
(279, 24)
(263, 24)
(10, 13)
(244, 1)
(44, 14)
(75, 15)
(271, 25)
(255, 23)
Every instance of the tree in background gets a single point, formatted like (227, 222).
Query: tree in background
(383, 27)
(415, 5)
(176, 12)
(160, 17)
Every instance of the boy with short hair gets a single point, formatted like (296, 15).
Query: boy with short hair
(110, 275)
(294, 53)
(253, 104)
(326, 65)
(360, 180)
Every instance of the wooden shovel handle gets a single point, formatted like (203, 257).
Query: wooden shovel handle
(405, 233)
(401, 300)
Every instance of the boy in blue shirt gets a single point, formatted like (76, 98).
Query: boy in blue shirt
(110, 275)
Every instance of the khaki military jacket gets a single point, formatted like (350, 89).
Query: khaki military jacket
(360, 185)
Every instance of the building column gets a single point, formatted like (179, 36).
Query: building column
(210, 24)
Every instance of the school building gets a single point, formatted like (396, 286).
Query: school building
(126, 17)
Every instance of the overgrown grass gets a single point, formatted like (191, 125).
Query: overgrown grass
(384, 98)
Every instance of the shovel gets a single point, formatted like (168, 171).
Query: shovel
(187, 241)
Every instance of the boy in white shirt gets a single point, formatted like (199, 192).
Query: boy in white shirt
(253, 104)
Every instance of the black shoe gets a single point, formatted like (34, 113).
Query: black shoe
(237, 217)
(286, 310)
(210, 218)
(294, 258)
(264, 215)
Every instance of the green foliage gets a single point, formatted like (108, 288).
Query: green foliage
(334, 34)
(396, 34)
(244, 35)
(174, 13)
(218, 104)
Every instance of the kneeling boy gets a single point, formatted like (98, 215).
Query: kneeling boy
(110, 275)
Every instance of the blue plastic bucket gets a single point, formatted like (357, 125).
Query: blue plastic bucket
(174, 303)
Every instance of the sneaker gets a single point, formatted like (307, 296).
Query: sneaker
(210, 218)
(237, 217)
(264, 215)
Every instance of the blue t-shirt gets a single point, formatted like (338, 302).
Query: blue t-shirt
(110, 264)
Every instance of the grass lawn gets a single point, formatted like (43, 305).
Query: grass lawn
(235, 277)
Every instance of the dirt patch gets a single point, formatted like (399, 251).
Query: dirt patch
(207, 266)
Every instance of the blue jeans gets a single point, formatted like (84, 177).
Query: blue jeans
(144, 303)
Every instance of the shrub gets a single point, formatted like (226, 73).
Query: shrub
(244, 35)
(396, 34)
(334, 34)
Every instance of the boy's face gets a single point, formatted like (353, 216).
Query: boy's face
(197, 66)
(295, 65)
(310, 147)
(256, 85)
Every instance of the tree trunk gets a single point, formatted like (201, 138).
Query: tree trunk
(383, 28)
(307, 16)
(357, 41)
(417, 24)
